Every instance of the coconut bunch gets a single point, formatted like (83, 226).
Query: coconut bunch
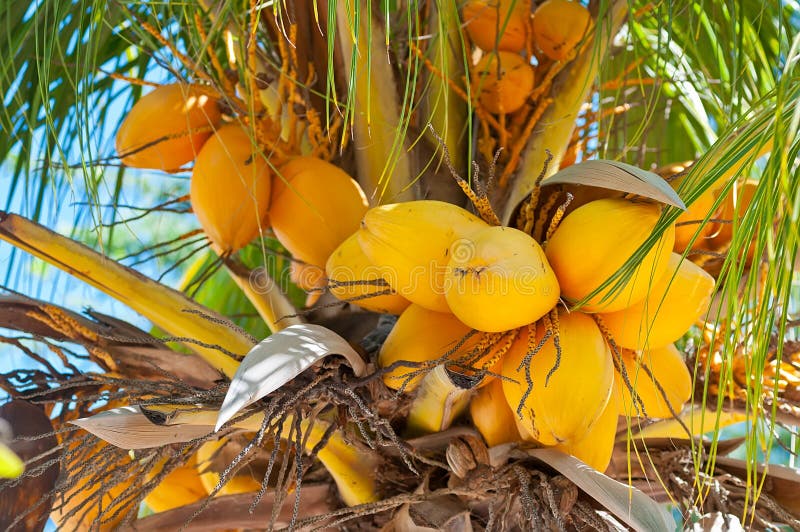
(509, 40)
(237, 191)
(483, 310)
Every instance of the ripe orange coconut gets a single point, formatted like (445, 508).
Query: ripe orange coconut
(484, 20)
(315, 207)
(501, 282)
(504, 88)
(412, 242)
(558, 27)
(734, 205)
(697, 211)
(230, 189)
(676, 301)
(672, 376)
(595, 240)
(565, 407)
(349, 273)
(166, 128)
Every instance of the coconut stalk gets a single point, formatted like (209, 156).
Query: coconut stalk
(553, 131)
(445, 110)
(265, 294)
(439, 401)
(166, 308)
(373, 111)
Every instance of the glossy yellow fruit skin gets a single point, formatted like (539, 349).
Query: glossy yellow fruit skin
(241, 483)
(670, 371)
(349, 264)
(421, 335)
(501, 281)
(180, 487)
(597, 446)
(172, 111)
(595, 240)
(508, 91)
(492, 416)
(558, 27)
(484, 19)
(230, 189)
(567, 407)
(315, 207)
(411, 244)
(676, 301)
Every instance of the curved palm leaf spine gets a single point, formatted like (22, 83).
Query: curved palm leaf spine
(167, 308)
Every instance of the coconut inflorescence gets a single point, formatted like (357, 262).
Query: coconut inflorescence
(483, 304)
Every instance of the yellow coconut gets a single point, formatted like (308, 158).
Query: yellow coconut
(485, 20)
(501, 281)
(179, 487)
(565, 407)
(676, 301)
(559, 26)
(422, 335)
(671, 375)
(166, 128)
(212, 458)
(597, 446)
(315, 207)
(492, 416)
(230, 189)
(595, 240)
(349, 273)
(411, 244)
(504, 88)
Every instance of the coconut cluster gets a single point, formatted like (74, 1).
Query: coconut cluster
(311, 205)
(510, 38)
(486, 300)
